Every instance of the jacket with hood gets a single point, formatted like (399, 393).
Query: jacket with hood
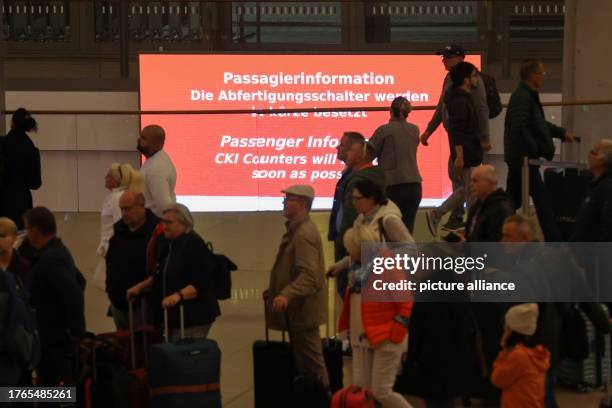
(521, 373)
(486, 218)
(379, 317)
(349, 213)
(463, 127)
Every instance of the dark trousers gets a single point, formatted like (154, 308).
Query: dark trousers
(549, 392)
(407, 196)
(540, 195)
(342, 276)
(58, 365)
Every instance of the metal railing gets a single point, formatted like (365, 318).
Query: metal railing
(272, 111)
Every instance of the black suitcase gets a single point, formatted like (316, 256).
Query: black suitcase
(273, 372)
(567, 188)
(277, 383)
(594, 371)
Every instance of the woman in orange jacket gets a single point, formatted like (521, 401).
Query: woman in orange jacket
(378, 330)
(520, 368)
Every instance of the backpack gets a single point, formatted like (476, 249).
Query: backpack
(222, 274)
(493, 98)
(18, 332)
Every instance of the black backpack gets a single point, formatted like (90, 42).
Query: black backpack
(222, 274)
(493, 98)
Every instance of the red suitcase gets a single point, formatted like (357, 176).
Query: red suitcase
(353, 397)
(135, 380)
(145, 334)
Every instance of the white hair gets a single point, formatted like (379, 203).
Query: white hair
(182, 214)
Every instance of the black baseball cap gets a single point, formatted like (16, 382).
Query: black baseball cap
(451, 51)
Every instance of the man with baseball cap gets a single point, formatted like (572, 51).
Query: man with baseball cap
(297, 295)
(451, 56)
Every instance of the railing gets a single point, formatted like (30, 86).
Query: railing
(583, 103)
(78, 145)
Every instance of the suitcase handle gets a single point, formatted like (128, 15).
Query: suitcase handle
(182, 320)
(525, 188)
(268, 329)
(132, 330)
(329, 286)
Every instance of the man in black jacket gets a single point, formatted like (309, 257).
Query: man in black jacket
(527, 133)
(56, 288)
(335, 218)
(594, 220)
(127, 253)
(493, 206)
(464, 140)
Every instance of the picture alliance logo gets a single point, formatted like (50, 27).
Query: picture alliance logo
(413, 264)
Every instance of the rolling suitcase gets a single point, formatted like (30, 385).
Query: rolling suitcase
(332, 352)
(186, 373)
(146, 334)
(273, 371)
(593, 371)
(559, 181)
(114, 383)
(353, 397)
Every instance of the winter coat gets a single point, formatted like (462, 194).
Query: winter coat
(486, 218)
(521, 373)
(20, 162)
(183, 261)
(299, 274)
(126, 258)
(379, 318)
(527, 133)
(463, 127)
(56, 288)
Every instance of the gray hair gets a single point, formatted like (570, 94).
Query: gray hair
(182, 214)
(605, 152)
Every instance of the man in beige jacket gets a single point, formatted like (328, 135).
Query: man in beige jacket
(297, 291)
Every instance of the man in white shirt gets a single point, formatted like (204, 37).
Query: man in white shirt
(158, 170)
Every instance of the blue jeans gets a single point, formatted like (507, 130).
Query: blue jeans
(549, 390)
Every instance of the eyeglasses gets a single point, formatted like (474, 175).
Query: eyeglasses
(166, 222)
(291, 199)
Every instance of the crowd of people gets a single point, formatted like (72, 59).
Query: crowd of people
(148, 246)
